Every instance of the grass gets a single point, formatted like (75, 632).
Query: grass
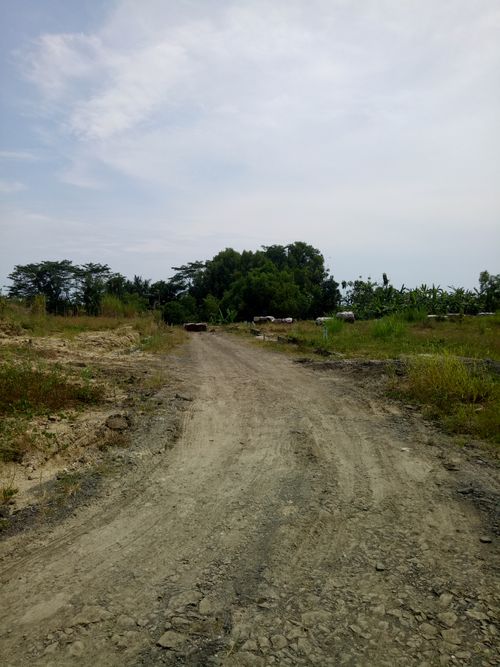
(464, 397)
(161, 339)
(388, 338)
(15, 440)
(6, 493)
(16, 319)
(27, 388)
(156, 337)
(33, 383)
(389, 328)
(30, 388)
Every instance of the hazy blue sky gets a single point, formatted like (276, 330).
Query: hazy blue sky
(148, 133)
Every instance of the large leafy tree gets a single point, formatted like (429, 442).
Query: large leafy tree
(54, 280)
(91, 284)
(489, 291)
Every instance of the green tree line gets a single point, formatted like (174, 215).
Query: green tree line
(284, 281)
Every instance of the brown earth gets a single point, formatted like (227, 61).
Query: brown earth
(299, 519)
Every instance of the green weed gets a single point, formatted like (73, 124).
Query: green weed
(392, 326)
(6, 493)
(465, 397)
(334, 326)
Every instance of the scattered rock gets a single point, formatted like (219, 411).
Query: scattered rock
(244, 659)
(125, 621)
(91, 614)
(51, 648)
(181, 397)
(172, 640)
(206, 606)
(76, 649)
(264, 643)
(360, 632)
(304, 646)
(185, 599)
(428, 630)
(485, 539)
(445, 599)
(312, 618)
(476, 615)
(250, 645)
(296, 633)
(380, 567)
(278, 642)
(451, 636)
(447, 618)
(118, 422)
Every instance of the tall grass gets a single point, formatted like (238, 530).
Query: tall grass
(443, 379)
(415, 315)
(160, 338)
(392, 326)
(465, 397)
(334, 326)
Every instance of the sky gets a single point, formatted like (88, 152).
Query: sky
(147, 134)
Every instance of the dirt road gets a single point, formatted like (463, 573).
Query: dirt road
(298, 520)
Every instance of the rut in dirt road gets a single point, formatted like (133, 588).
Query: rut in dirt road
(298, 520)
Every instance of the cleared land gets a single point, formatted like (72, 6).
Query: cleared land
(300, 519)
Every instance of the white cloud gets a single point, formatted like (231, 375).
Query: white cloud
(370, 122)
(11, 187)
(22, 156)
(54, 62)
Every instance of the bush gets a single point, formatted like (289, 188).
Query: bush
(388, 327)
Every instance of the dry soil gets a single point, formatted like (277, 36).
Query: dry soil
(299, 519)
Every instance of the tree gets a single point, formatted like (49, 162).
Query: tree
(220, 272)
(329, 301)
(489, 291)
(91, 283)
(55, 280)
(180, 311)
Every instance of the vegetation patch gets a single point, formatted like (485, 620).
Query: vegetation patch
(15, 440)
(386, 338)
(26, 388)
(161, 339)
(392, 326)
(463, 396)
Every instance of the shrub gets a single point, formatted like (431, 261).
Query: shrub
(388, 327)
